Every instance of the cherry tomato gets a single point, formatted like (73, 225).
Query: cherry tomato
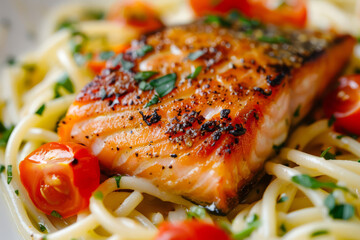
(191, 230)
(202, 7)
(60, 177)
(344, 104)
(136, 14)
(288, 12)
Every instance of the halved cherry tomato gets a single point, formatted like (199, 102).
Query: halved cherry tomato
(288, 12)
(191, 230)
(202, 7)
(344, 104)
(279, 12)
(136, 14)
(60, 177)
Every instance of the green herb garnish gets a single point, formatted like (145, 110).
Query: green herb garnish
(5, 136)
(165, 84)
(220, 21)
(144, 50)
(283, 198)
(273, 40)
(117, 180)
(253, 224)
(125, 65)
(42, 228)
(9, 174)
(105, 55)
(153, 100)
(339, 211)
(65, 83)
(55, 214)
(40, 110)
(16, 192)
(145, 86)
(77, 41)
(29, 67)
(196, 212)
(143, 76)
(98, 195)
(283, 229)
(194, 74)
(319, 232)
(2, 168)
(81, 59)
(277, 148)
(195, 55)
(327, 154)
(10, 61)
(331, 121)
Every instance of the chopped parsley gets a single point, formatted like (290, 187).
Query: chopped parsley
(340, 136)
(273, 40)
(153, 100)
(95, 14)
(252, 225)
(143, 76)
(319, 232)
(6, 132)
(282, 229)
(55, 214)
(310, 182)
(339, 211)
(144, 50)
(327, 154)
(17, 192)
(65, 83)
(2, 168)
(98, 195)
(81, 59)
(9, 174)
(105, 55)
(297, 111)
(117, 180)
(77, 41)
(196, 212)
(195, 55)
(194, 74)
(220, 21)
(165, 84)
(277, 148)
(42, 228)
(10, 61)
(66, 24)
(40, 110)
(331, 121)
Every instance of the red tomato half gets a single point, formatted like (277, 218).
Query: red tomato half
(344, 104)
(60, 177)
(289, 12)
(136, 14)
(191, 230)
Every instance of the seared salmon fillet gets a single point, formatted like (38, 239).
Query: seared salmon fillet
(203, 133)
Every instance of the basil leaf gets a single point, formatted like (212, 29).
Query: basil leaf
(143, 76)
(2, 168)
(196, 212)
(9, 174)
(42, 228)
(145, 86)
(319, 232)
(125, 65)
(164, 85)
(55, 214)
(40, 110)
(63, 82)
(327, 155)
(5, 136)
(105, 55)
(154, 100)
(273, 40)
(195, 73)
(144, 50)
(195, 55)
(220, 21)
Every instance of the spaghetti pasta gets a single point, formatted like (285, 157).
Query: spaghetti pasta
(132, 208)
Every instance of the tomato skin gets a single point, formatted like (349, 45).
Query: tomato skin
(191, 230)
(294, 14)
(135, 14)
(344, 104)
(60, 177)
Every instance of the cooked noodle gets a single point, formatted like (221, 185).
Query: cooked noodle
(131, 210)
